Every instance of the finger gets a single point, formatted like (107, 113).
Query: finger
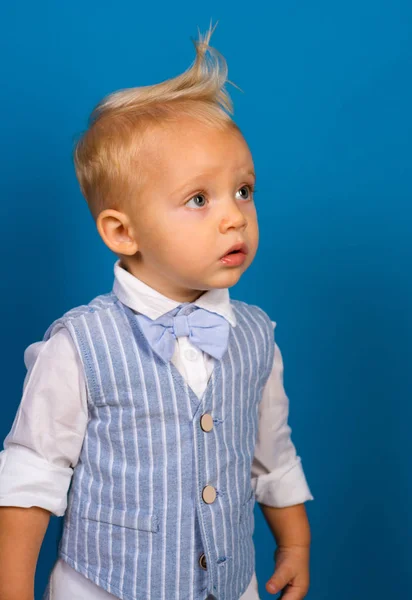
(279, 579)
(293, 593)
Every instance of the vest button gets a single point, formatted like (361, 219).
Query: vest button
(209, 494)
(206, 422)
(202, 562)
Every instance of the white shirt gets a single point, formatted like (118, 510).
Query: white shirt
(46, 438)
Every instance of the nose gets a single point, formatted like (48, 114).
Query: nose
(233, 218)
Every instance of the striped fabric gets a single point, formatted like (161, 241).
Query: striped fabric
(136, 523)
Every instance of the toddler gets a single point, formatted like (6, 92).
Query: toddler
(153, 417)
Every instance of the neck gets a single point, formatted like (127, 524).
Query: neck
(161, 285)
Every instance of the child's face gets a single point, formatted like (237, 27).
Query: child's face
(196, 203)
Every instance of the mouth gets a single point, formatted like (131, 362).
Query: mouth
(236, 249)
(236, 255)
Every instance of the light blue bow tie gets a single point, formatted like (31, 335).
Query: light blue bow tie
(206, 330)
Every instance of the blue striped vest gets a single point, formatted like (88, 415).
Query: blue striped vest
(137, 522)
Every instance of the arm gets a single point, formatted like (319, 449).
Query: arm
(290, 528)
(277, 473)
(289, 525)
(281, 487)
(36, 466)
(21, 534)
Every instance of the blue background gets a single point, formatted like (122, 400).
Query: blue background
(326, 110)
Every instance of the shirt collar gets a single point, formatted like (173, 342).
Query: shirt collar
(143, 299)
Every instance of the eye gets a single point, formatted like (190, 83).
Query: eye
(245, 192)
(199, 201)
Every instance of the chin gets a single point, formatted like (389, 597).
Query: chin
(228, 279)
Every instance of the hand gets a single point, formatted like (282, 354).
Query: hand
(291, 573)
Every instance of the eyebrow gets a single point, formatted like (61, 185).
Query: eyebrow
(193, 182)
(247, 170)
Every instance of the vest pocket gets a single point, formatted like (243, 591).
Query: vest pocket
(131, 519)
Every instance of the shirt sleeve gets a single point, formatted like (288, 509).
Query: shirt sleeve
(44, 443)
(277, 473)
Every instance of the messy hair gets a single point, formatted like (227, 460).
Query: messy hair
(107, 157)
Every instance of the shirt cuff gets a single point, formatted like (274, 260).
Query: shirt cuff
(27, 479)
(289, 490)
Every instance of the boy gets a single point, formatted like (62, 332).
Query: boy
(156, 402)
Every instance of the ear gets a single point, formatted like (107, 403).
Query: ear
(117, 233)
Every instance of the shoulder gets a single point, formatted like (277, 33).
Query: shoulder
(257, 324)
(57, 349)
(83, 313)
(253, 312)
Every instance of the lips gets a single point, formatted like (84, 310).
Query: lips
(237, 248)
(235, 256)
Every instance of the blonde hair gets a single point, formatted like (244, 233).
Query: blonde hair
(107, 157)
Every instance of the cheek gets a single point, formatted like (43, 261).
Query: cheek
(253, 224)
(174, 236)
(159, 230)
(185, 227)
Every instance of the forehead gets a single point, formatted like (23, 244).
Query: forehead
(191, 147)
